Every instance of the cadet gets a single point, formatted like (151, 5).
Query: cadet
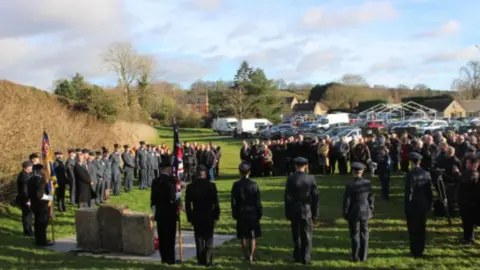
(128, 167)
(61, 174)
(418, 202)
(70, 164)
(164, 204)
(107, 173)
(100, 187)
(202, 209)
(247, 211)
(150, 165)
(92, 172)
(22, 198)
(190, 160)
(141, 160)
(357, 210)
(115, 158)
(37, 190)
(467, 195)
(384, 172)
(301, 205)
(157, 159)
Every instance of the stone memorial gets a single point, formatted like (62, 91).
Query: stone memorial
(110, 223)
(88, 229)
(137, 234)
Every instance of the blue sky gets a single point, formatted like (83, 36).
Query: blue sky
(388, 42)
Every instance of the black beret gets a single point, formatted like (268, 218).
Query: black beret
(142, 143)
(244, 167)
(71, 150)
(106, 151)
(116, 145)
(414, 156)
(26, 164)
(37, 167)
(58, 153)
(98, 153)
(91, 153)
(202, 168)
(33, 155)
(300, 161)
(78, 150)
(126, 146)
(358, 166)
(85, 151)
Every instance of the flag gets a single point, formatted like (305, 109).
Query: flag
(177, 161)
(48, 159)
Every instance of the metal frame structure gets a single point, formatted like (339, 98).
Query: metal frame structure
(404, 109)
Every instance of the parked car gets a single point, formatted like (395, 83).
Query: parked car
(432, 126)
(375, 124)
(349, 134)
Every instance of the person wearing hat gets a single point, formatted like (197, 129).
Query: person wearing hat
(468, 194)
(142, 163)
(39, 199)
(100, 171)
(78, 152)
(62, 181)
(203, 210)
(128, 167)
(164, 204)
(301, 206)
(107, 173)
(22, 199)
(418, 202)
(247, 211)
(69, 165)
(115, 159)
(358, 207)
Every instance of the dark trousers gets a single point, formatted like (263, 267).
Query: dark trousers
(302, 239)
(73, 191)
(416, 224)
(156, 173)
(167, 231)
(27, 217)
(116, 181)
(151, 176)
(204, 243)
(404, 166)
(143, 178)
(83, 205)
(333, 164)
(60, 192)
(217, 168)
(128, 179)
(100, 192)
(468, 222)
(41, 223)
(394, 164)
(342, 165)
(359, 236)
(385, 185)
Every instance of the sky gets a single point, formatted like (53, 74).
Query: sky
(387, 42)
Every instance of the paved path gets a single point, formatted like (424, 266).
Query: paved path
(69, 244)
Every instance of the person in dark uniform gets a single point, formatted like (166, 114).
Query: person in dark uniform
(141, 160)
(247, 211)
(22, 198)
(301, 205)
(384, 169)
(61, 174)
(418, 202)
(128, 167)
(69, 164)
(218, 156)
(164, 204)
(115, 158)
(107, 173)
(468, 190)
(84, 182)
(37, 192)
(203, 210)
(358, 207)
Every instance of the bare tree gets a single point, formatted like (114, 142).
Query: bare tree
(420, 87)
(239, 103)
(353, 80)
(469, 80)
(126, 63)
(402, 86)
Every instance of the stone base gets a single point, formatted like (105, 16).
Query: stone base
(88, 229)
(110, 220)
(137, 234)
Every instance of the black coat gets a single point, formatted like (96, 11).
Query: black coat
(163, 197)
(468, 189)
(201, 202)
(245, 200)
(301, 197)
(37, 187)
(22, 188)
(429, 153)
(358, 200)
(418, 191)
(245, 154)
(60, 172)
(83, 182)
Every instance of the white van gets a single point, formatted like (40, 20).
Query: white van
(250, 127)
(224, 126)
(329, 120)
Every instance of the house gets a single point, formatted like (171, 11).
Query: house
(445, 107)
(197, 103)
(289, 102)
(305, 107)
(472, 107)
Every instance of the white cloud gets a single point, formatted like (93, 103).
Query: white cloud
(389, 65)
(323, 18)
(449, 28)
(205, 4)
(465, 54)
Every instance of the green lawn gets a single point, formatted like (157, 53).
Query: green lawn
(388, 236)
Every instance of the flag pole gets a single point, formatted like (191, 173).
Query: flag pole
(178, 189)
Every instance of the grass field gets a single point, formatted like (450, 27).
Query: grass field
(331, 243)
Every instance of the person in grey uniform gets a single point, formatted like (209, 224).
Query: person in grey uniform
(107, 173)
(116, 182)
(156, 159)
(301, 206)
(141, 160)
(128, 167)
(100, 187)
(93, 173)
(151, 161)
(358, 207)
